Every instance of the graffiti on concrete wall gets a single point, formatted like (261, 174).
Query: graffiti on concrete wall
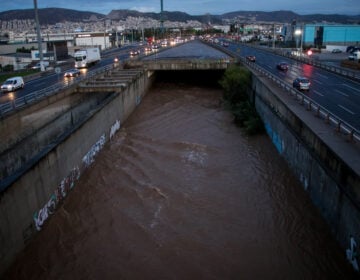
(115, 127)
(68, 182)
(352, 254)
(59, 194)
(89, 158)
(275, 138)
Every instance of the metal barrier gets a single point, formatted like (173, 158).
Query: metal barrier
(340, 125)
(331, 68)
(314, 62)
(35, 96)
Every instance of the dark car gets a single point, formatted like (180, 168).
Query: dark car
(302, 83)
(283, 66)
(72, 73)
(251, 58)
(336, 51)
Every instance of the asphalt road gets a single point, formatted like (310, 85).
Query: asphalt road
(338, 94)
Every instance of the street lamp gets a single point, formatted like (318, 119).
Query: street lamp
(42, 68)
(298, 34)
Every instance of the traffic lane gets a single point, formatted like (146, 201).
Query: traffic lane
(326, 92)
(340, 96)
(52, 79)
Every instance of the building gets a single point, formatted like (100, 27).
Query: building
(321, 35)
(92, 39)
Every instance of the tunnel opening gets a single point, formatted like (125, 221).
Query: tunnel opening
(203, 78)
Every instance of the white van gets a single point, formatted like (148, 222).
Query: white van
(12, 84)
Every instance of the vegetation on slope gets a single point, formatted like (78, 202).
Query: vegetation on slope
(235, 83)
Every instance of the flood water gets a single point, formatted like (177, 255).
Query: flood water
(182, 193)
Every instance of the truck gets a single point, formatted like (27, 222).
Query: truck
(355, 56)
(86, 57)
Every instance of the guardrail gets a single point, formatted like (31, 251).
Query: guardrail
(35, 96)
(329, 118)
(314, 62)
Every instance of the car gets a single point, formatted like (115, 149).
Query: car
(336, 51)
(134, 52)
(354, 55)
(251, 58)
(283, 66)
(302, 83)
(37, 66)
(72, 73)
(12, 84)
(147, 49)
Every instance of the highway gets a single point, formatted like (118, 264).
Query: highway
(50, 78)
(339, 95)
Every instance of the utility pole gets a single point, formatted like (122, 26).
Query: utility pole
(42, 68)
(273, 45)
(161, 16)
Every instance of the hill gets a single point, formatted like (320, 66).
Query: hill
(55, 15)
(50, 15)
(289, 16)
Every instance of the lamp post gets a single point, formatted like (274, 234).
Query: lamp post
(298, 34)
(273, 43)
(42, 68)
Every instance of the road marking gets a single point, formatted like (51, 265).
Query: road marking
(352, 87)
(346, 109)
(344, 94)
(317, 81)
(318, 93)
(322, 76)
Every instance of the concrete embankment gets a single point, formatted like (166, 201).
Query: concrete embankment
(46, 148)
(60, 136)
(326, 163)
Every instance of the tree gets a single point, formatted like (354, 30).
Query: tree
(236, 82)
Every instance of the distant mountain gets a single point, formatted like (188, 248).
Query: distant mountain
(50, 15)
(56, 15)
(289, 16)
(171, 16)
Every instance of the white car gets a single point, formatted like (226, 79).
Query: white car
(12, 84)
(37, 66)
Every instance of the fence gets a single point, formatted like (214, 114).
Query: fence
(340, 125)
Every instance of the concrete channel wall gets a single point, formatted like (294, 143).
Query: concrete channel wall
(320, 159)
(326, 163)
(32, 196)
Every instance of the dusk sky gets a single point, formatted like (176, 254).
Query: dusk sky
(195, 7)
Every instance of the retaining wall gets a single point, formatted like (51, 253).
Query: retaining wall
(30, 200)
(326, 163)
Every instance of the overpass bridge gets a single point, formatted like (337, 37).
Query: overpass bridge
(49, 145)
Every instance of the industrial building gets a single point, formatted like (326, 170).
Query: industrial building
(321, 35)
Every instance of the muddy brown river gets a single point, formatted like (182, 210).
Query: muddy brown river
(180, 192)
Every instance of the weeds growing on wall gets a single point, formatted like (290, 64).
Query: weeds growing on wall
(235, 83)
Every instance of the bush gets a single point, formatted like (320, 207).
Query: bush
(235, 83)
(8, 68)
